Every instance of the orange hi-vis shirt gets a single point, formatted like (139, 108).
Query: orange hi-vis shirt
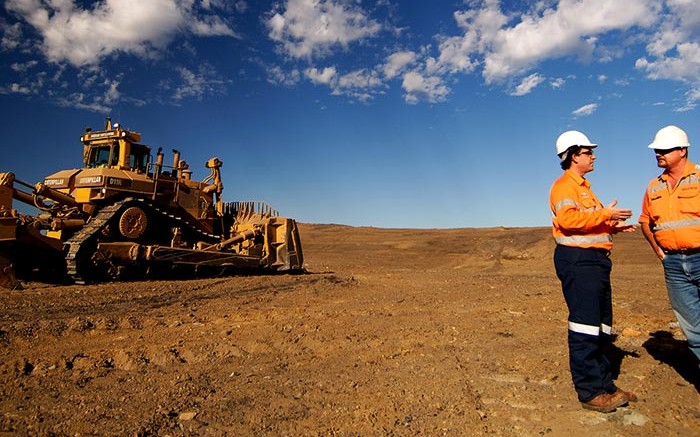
(578, 217)
(673, 213)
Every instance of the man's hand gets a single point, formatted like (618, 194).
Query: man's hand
(649, 235)
(618, 213)
(661, 255)
(622, 227)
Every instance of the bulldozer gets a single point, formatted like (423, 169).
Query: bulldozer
(127, 215)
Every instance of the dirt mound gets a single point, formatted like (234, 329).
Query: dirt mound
(392, 332)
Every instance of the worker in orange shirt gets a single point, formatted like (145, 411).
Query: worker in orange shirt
(583, 228)
(670, 221)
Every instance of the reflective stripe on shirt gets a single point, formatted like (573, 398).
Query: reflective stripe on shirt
(662, 185)
(565, 202)
(580, 240)
(571, 202)
(677, 224)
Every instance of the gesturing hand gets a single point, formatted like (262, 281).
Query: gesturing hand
(622, 227)
(618, 213)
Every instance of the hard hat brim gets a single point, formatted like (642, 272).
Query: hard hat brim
(665, 147)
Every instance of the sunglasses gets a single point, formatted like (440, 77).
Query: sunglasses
(585, 152)
(666, 151)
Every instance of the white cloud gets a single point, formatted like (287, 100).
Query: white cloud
(419, 87)
(241, 6)
(360, 84)
(99, 102)
(557, 83)
(11, 36)
(585, 110)
(211, 26)
(455, 55)
(15, 88)
(29, 84)
(112, 95)
(325, 76)
(310, 28)
(83, 37)
(23, 67)
(570, 29)
(674, 50)
(359, 79)
(278, 76)
(197, 84)
(692, 97)
(528, 84)
(458, 54)
(397, 62)
(685, 66)
(678, 26)
(508, 45)
(503, 45)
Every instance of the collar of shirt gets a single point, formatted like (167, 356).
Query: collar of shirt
(580, 180)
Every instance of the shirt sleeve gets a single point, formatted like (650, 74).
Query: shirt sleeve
(576, 214)
(644, 217)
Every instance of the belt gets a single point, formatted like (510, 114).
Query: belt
(691, 251)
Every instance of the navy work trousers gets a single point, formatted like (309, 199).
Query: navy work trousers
(585, 281)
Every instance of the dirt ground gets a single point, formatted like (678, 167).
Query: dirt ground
(393, 332)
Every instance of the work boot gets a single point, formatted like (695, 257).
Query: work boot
(630, 396)
(619, 398)
(604, 403)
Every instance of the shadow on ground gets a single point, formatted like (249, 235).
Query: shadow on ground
(616, 355)
(666, 349)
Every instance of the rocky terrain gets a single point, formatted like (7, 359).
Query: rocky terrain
(392, 332)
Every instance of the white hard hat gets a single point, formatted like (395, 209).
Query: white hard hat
(670, 137)
(572, 138)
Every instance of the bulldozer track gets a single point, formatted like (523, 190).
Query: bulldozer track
(79, 242)
(83, 240)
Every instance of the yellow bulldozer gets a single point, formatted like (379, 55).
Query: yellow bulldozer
(126, 215)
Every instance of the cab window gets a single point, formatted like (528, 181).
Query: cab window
(99, 156)
(139, 157)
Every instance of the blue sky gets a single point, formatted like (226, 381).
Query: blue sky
(390, 113)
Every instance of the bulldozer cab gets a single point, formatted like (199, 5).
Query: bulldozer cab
(115, 147)
(108, 155)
